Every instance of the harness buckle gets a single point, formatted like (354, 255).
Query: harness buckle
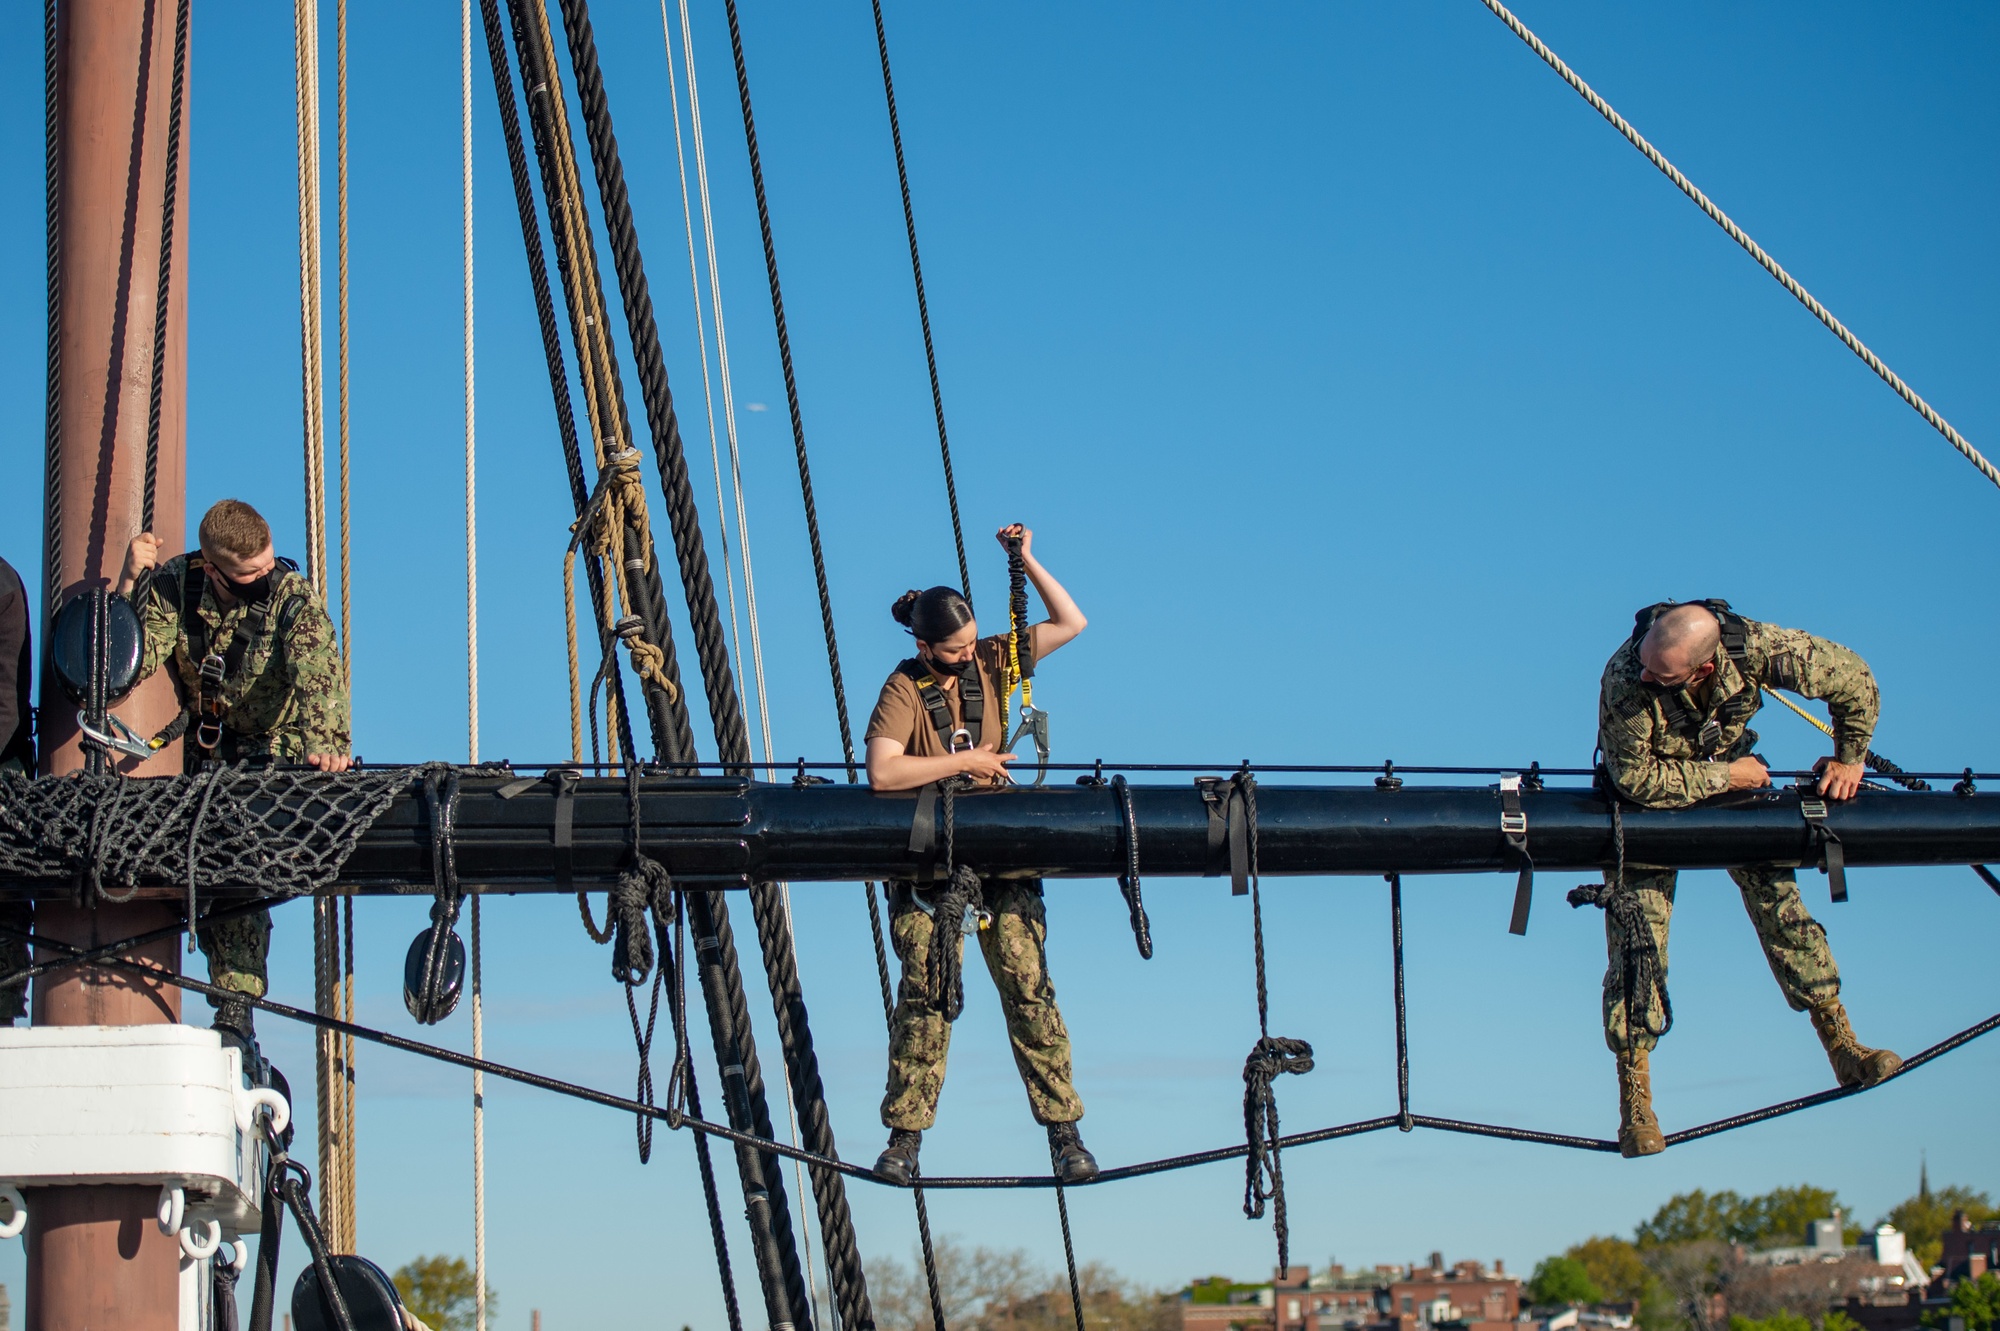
(1710, 736)
(959, 733)
(1813, 808)
(213, 667)
(1514, 824)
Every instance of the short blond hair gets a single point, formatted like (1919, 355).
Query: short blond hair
(232, 527)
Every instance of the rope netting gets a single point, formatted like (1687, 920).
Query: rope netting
(284, 832)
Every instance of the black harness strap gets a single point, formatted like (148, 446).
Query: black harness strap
(1826, 842)
(971, 700)
(1514, 826)
(219, 672)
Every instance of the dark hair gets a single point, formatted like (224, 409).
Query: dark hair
(934, 615)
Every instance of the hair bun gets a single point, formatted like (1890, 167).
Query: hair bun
(904, 610)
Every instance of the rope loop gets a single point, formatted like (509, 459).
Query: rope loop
(1263, 1172)
(945, 973)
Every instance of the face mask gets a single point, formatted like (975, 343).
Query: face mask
(248, 592)
(944, 669)
(1657, 689)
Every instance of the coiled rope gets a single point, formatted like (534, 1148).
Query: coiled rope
(1750, 247)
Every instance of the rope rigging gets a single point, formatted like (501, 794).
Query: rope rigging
(785, 1295)
(1750, 247)
(923, 304)
(106, 957)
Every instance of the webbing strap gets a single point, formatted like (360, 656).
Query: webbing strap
(923, 833)
(1832, 858)
(1514, 826)
(564, 830)
(1228, 830)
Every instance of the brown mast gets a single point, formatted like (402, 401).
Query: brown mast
(95, 1256)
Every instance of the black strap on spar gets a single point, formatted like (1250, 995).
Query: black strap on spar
(1228, 829)
(1827, 850)
(1514, 827)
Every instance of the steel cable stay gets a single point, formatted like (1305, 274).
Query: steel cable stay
(102, 957)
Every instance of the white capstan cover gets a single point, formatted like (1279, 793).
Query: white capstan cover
(164, 1104)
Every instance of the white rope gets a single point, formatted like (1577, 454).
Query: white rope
(757, 674)
(305, 36)
(472, 660)
(1751, 247)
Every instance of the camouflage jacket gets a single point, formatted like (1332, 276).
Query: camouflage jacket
(290, 697)
(1668, 750)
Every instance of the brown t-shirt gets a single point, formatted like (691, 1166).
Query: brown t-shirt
(900, 713)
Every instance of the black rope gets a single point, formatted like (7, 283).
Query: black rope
(434, 1001)
(290, 1182)
(917, 272)
(545, 310)
(1128, 882)
(52, 426)
(1069, 1248)
(1403, 1119)
(1114, 1175)
(1263, 1170)
(1641, 970)
(169, 196)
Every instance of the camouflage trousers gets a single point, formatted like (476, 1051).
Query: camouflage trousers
(919, 1036)
(1794, 944)
(13, 957)
(239, 953)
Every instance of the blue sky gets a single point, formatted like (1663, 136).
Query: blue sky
(1358, 380)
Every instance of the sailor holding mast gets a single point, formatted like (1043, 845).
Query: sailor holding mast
(253, 658)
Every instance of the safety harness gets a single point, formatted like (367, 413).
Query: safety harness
(1706, 733)
(971, 699)
(220, 685)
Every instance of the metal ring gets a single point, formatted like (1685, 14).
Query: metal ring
(172, 1209)
(263, 1097)
(198, 1251)
(19, 1220)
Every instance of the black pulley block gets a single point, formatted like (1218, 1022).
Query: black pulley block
(434, 974)
(371, 1298)
(70, 646)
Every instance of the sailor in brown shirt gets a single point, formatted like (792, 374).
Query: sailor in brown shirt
(940, 716)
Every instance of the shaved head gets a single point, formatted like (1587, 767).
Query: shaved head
(1682, 639)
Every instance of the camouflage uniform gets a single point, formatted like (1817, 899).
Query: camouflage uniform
(288, 700)
(1663, 752)
(14, 951)
(919, 1036)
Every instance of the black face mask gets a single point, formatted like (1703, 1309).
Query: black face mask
(248, 592)
(1657, 689)
(948, 669)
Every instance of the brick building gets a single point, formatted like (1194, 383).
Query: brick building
(1433, 1297)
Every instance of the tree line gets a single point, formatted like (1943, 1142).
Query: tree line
(1683, 1269)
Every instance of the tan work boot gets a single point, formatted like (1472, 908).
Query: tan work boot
(1854, 1063)
(1638, 1129)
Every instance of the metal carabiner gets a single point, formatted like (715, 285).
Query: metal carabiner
(116, 736)
(1035, 725)
(957, 734)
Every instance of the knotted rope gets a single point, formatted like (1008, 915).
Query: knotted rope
(1641, 971)
(945, 969)
(1263, 1171)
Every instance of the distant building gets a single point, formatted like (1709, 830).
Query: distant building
(1433, 1297)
